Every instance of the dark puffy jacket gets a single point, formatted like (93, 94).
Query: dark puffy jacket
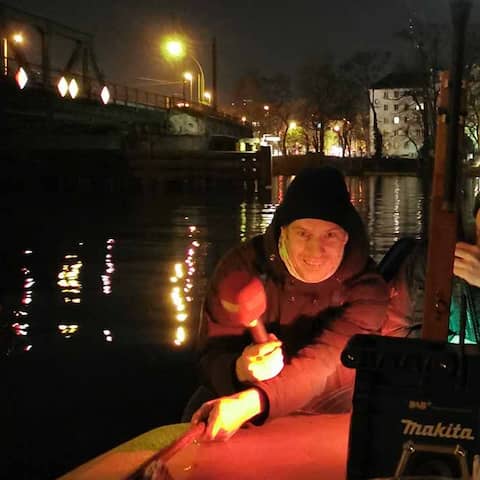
(314, 322)
(409, 287)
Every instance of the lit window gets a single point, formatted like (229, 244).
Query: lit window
(396, 120)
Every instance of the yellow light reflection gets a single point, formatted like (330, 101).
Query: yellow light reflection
(68, 279)
(180, 336)
(68, 330)
(179, 270)
(21, 327)
(109, 268)
(183, 273)
(108, 335)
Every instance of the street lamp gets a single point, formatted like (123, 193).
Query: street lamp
(17, 38)
(208, 97)
(176, 49)
(187, 76)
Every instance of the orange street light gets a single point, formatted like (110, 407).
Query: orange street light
(175, 49)
(18, 38)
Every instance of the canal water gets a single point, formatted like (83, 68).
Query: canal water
(100, 299)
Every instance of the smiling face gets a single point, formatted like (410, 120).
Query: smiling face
(315, 248)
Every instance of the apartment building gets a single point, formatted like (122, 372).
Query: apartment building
(398, 105)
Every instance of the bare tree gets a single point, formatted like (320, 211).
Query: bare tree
(277, 92)
(364, 69)
(429, 43)
(319, 85)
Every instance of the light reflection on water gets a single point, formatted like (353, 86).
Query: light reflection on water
(135, 274)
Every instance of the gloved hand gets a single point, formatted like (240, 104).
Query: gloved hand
(260, 361)
(466, 264)
(225, 415)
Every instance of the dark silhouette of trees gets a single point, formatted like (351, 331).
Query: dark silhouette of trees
(319, 86)
(363, 69)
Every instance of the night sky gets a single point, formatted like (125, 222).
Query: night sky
(265, 35)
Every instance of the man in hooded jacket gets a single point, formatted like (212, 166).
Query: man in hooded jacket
(321, 288)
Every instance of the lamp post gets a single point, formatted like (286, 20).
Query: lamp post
(176, 49)
(188, 77)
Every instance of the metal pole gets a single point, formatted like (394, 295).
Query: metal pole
(201, 81)
(45, 35)
(3, 36)
(214, 74)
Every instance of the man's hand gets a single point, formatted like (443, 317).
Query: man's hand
(225, 415)
(467, 263)
(260, 362)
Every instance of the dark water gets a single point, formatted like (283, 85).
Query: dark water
(100, 306)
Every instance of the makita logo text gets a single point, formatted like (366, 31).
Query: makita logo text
(456, 431)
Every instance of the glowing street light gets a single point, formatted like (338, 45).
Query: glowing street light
(18, 38)
(175, 49)
(208, 97)
(292, 125)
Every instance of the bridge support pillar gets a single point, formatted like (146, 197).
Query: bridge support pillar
(45, 36)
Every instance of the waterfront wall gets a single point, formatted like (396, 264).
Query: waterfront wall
(292, 164)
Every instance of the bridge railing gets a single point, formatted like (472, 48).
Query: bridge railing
(90, 88)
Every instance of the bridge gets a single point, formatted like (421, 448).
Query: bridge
(53, 112)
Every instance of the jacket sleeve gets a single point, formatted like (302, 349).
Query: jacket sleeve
(304, 378)
(221, 341)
